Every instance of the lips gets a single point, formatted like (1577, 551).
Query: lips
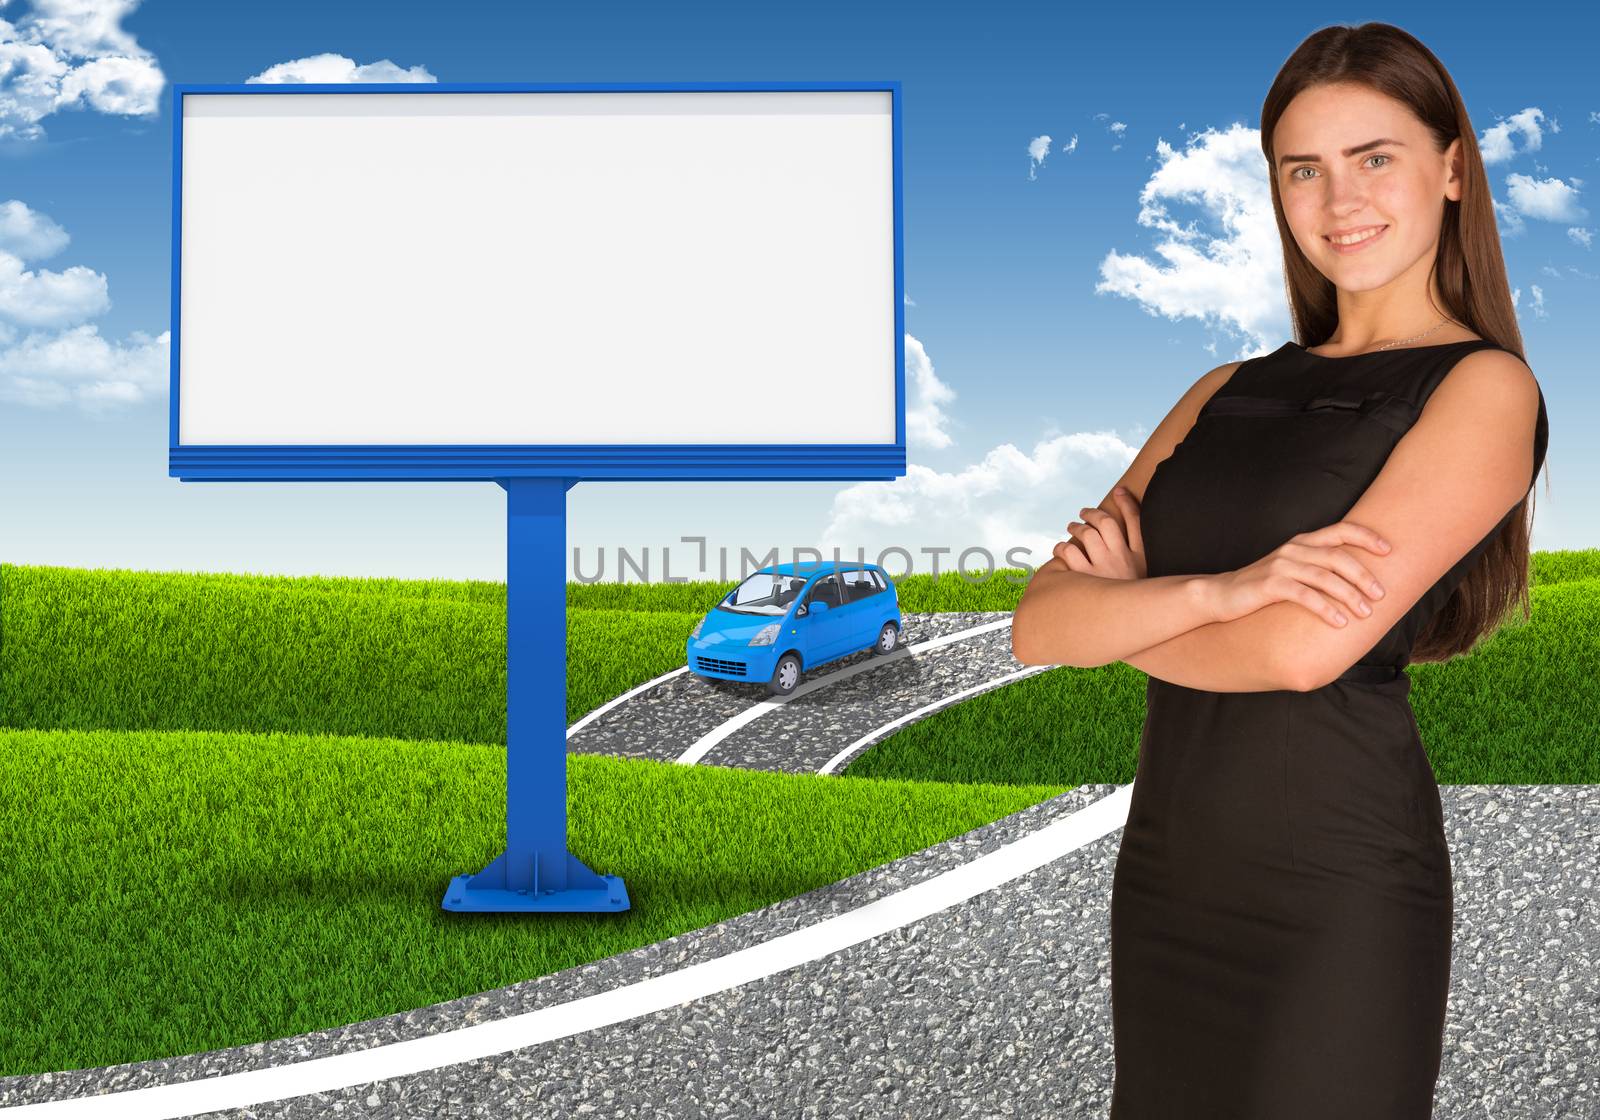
(1358, 246)
(1354, 229)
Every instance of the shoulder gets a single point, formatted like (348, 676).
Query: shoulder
(1491, 380)
(1214, 379)
(1183, 415)
(1488, 408)
(1205, 387)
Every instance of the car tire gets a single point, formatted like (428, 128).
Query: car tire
(888, 640)
(785, 675)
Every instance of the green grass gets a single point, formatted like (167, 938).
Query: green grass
(104, 648)
(232, 803)
(172, 891)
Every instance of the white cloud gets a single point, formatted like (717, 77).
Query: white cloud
(48, 368)
(50, 299)
(1550, 200)
(1038, 148)
(1581, 235)
(78, 366)
(1495, 144)
(925, 393)
(43, 298)
(338, 68)
(69, 54)
(28, 233)
(1231, 280)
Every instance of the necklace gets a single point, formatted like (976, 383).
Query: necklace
(1414, 337)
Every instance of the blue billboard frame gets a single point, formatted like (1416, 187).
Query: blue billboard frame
(535, 872)
(491, 462)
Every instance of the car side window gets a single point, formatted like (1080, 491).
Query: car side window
(858, 585)
(827, 589)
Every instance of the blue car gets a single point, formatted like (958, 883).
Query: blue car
(788, 618)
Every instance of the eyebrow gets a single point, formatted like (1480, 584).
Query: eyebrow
(1348, 152)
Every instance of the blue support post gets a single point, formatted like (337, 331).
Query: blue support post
(536, 872)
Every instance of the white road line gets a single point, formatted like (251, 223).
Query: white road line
(943, 702)
(772, 703)
(603, 1009)
(609, 704)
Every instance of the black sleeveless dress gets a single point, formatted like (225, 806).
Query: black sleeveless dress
(1281, 906)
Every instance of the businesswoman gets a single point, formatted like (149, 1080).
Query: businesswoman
(1300, 527)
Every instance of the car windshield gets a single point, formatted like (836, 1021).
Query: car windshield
(764, 593)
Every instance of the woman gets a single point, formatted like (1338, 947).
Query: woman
(1282, 906)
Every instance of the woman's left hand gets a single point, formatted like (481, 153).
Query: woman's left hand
(1098, 545)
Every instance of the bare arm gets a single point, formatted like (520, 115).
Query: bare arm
(1243, 655)
(1094, 621)
(1074, 618)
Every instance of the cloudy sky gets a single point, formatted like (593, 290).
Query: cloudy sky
(1087, 229)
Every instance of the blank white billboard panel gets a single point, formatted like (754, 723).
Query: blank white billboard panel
(532, 268)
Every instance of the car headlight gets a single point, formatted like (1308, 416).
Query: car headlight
(766, 635)
(695, 633)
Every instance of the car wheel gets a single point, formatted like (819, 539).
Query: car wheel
(785, 676)
(888, 639)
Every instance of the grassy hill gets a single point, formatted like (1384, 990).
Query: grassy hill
(232, 803)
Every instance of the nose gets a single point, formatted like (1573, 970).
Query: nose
(1346, 201)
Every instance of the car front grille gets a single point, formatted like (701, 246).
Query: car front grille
(718, 665)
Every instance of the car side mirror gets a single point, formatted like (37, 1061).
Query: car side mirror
(819, 605)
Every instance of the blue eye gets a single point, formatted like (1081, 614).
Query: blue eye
(1375, 155)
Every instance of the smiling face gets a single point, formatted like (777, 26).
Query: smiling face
(1396, 188)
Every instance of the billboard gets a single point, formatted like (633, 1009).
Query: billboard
(471, 281)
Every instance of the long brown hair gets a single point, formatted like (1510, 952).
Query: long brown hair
(1468, 267)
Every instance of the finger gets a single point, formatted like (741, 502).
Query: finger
(1348, 532)
(1119, 541)
(1106, 525)
(1357, 573)
(1368, 538)
(1336, 587)
(1355, 577)
(1092, 543)
(1130, 513)
(1314, 601)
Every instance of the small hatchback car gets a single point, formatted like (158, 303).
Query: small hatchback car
(789, 618)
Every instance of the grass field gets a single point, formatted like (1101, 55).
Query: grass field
(232, 803)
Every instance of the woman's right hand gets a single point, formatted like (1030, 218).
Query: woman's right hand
(1312, 569)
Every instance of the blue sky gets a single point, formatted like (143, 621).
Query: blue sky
(1075, 179)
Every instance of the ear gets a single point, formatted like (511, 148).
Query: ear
(1452, 182)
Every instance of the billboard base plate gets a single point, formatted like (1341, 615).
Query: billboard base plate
(486, 892)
